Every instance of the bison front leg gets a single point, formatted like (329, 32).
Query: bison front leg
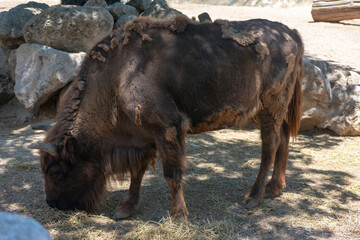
(171, 147)
(132, 200)
(270, 142)
(277, 182)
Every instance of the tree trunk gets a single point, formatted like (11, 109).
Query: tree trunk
(335, 10)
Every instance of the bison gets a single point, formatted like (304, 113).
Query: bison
(144, 87)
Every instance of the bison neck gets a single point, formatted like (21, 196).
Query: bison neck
(112, 140)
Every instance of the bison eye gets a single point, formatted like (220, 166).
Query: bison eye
(55, 172)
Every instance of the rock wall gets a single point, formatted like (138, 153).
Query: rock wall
(42, 47)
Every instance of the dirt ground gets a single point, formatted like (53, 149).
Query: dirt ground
(321, 201)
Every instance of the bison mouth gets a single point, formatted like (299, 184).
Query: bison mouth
(61, 205)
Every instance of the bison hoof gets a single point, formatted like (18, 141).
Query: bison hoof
(121, 212)
(180, 216)
(273, 195)
(251, 203)
(273, 190)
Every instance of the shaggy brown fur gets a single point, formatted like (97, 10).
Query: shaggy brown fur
(142, 89)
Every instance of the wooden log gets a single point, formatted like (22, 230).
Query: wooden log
(335, 10)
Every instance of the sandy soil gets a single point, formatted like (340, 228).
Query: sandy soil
(335, 42)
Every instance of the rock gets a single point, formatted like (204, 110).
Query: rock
(96, 3)
(69, 28)
(13, 21)
(160, 9)
(121, 21)
(331, 98)
(82, 2)
(16, 227)
(204, 17)
(316, 96)
(13, 113)
(41, 71)
(118, 10)
(140, 5)
(73, 2)
(6, 82)
(12, 64)
(344, 109)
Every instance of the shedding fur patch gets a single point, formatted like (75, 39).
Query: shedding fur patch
(226, 118)
(137, 115)
(262, 49)
(287, 37)
(243, 38)
(290, 61)
(97, 55)
(170, 134)
(104, 47)
(114, 43)
(141, 24)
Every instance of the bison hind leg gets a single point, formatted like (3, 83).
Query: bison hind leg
(270, 137)
(277, 182)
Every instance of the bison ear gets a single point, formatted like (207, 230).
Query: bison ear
(72, 150)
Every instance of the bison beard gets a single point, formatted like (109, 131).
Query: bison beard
(143, 88)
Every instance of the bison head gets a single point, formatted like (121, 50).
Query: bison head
(72, 180)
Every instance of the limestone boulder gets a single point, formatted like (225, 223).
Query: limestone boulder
(331, 95)
(69, 28)
(140, 5)
(118, 10)
(6, 82)
(41, 71)
(316, 96)
(13, 21)
(121, 21)
(17, 227)
(204, 17)
(94, 3)
(344, 109)
(73, 2)
(82, 2)
(12, 63)
(160, 9)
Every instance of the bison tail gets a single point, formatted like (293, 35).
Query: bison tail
(295, 106)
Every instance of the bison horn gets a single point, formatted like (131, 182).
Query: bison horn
(44, 127)
(46, 147)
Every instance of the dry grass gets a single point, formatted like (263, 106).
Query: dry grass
(322, 198)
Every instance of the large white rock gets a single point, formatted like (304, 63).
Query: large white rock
(160, 9)
(41, 71)
(69, 28)
(331, 98)
(13, 21)
(344, 109)
(316, 96)
(16, 227)
(140, 5)
(119, 9)
(122, 13)
(99, 3)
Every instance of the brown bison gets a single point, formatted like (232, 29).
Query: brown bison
(143, 88)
